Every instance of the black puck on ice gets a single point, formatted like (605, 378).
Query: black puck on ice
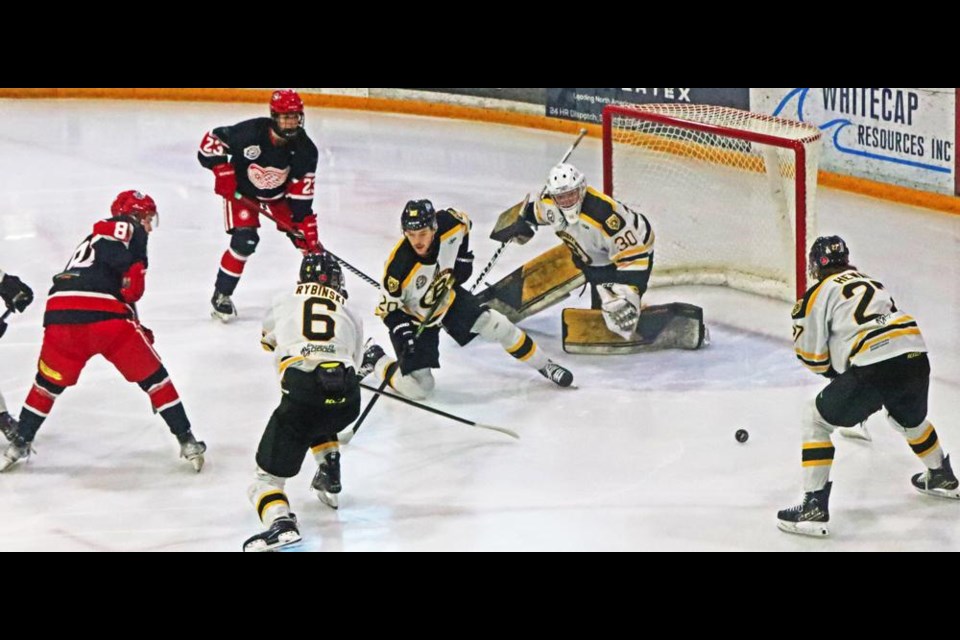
(741, 435)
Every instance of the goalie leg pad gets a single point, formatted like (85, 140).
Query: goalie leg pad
(537, 285)
(669, 326)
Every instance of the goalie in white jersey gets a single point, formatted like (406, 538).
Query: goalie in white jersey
(611, 244)
(848, 328)
(318, 342)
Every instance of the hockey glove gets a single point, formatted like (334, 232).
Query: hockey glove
(226, 180)
(516, 227)
(621, 307)
(309, 242)
(133, 284)
(405, 339)
(464, 267)
(15, 294)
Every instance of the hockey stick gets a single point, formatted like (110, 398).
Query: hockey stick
(503, 245)
(264, 210)
(388, 372)
(352, 269)
(412, 403)
(347, 434)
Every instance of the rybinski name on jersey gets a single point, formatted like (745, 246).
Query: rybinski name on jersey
(313, 289)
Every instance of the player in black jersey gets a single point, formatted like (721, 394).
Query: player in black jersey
(264, 160)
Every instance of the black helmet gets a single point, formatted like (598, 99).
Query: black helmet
(322, 269)
(418, 214)
(827, 251)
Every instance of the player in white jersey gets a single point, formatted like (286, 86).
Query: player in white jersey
(611, 244)
(318, 342)
(848, 328)
(421, 287)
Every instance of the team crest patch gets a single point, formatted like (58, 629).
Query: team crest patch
(267, 177)
(252, 152)
(613, 221)
(393, 285)
(421, 281)
(796, 308)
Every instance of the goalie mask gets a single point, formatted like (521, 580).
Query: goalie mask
(566, 185)
(286, 110)
(322, 269)
(826, 252)
(136, 205)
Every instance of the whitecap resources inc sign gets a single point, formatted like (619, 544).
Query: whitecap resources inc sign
(896, 135)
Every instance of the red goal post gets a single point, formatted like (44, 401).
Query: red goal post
(730, 193)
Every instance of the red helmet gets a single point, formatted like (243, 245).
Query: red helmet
(133, 203)
(286, 101)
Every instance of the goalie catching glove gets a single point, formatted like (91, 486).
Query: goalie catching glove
(621, 307)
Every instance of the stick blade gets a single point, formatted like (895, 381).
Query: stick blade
(503, 430)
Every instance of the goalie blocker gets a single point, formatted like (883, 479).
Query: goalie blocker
(676, 325)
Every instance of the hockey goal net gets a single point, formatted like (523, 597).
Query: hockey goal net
(730, 193)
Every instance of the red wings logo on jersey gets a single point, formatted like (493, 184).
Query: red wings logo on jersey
(267, 177)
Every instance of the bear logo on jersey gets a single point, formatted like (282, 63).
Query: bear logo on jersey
(421, 281)
(393, 284)
(613, 221)
(252, 152)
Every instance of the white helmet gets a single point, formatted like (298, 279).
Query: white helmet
(566, 186)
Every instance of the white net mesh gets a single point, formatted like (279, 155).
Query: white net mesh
(722, 190)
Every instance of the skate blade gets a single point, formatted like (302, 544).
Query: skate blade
(197, 462)
(949, 494)
(222, 317)
(286, 540)
(332, 500)
(813, 529)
